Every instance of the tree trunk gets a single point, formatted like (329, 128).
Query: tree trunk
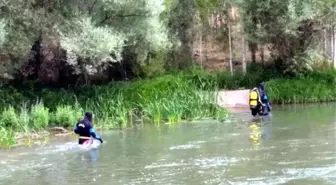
(253, 50)
(201, 46)
(206, 48)
(262, 54)
(212, 28)
(84, 72)
(230, 48)
(334, 46)
(243, 55)
(324, 41)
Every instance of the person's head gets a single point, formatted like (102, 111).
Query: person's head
(262, 86)
(88, 115)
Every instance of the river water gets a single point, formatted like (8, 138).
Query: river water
(297, 147)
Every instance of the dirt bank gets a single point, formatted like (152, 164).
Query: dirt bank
(39, 138)
(234, 100)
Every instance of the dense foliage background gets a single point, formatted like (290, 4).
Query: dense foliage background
(62, 42)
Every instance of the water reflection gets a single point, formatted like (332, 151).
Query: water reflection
(91, 156)
(260, 130)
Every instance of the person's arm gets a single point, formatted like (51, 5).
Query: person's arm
(265, 98)
(95, 135)
(76, 129)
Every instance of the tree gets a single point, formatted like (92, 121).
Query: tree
(93, 34)
(288, 26)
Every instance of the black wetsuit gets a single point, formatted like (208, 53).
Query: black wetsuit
(84, 128)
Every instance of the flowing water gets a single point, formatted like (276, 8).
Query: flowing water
(297, 147)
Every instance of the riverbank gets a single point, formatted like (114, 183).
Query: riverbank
(166, 99)
(314, 86)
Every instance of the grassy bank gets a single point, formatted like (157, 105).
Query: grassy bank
(169, 98)
(186, 95)
(312, 87)
(309, 87)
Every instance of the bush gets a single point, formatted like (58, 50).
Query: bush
(39, 116)
(66, 115)
(24, 119)
(9, 118)
(7, 137)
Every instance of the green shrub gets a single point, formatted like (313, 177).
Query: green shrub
(9, 118)
(39, 116)
(66, 115)
(7, 138)
(24, 119)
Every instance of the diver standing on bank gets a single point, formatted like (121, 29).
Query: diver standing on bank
(259, 103)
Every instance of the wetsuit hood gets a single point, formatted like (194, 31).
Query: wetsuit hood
(88, 115)
(262, 86)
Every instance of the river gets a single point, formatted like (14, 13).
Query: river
(297, 147)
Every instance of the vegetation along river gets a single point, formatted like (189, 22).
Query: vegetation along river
(297, 147)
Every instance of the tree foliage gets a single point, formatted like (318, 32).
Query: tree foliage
(51, 38)
(92, 33)
(288, 26)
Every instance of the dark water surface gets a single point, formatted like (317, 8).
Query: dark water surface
(297, 147)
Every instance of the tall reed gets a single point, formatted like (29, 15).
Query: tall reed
(165, 99)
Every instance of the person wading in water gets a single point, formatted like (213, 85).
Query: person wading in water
(84, 128)
(259, 103)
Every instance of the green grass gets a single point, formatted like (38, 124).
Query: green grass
(166, 99)
(319, 86)
(7, 137)
(66, 115)
(39, 116)
(309, 87)
(186, 95)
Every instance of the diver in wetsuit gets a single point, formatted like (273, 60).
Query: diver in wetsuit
(85, 130)
(259, 103)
